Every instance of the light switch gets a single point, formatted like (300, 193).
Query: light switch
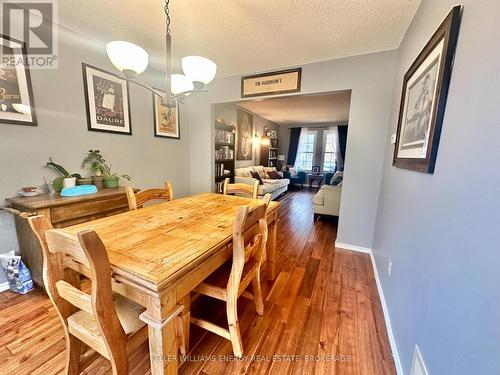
(393, 138)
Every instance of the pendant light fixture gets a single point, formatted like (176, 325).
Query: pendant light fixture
(132, 60)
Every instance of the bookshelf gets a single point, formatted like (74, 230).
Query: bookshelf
(224, 154)
(269, 152)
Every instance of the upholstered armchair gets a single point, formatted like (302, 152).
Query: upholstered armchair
(299, 178)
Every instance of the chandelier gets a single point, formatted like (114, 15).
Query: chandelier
(132, 60)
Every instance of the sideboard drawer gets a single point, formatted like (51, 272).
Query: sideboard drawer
(87, 209)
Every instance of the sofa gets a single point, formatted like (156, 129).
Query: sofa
(275, 187)
(327, 200)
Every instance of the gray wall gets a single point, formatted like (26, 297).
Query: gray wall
(441, 230)
(62, 133)
(371, 79)
(229, 112)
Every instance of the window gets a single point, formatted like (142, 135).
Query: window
(305, 151)
(329, 157)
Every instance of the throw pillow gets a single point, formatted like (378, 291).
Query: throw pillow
(274, 175)
(260, 170)
(293, 172)
(257, 177)
(337, 178)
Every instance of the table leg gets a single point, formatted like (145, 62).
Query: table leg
(271, 250)
(160, 316)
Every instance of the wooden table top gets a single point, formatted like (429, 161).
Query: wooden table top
(52, 200)
(159, 243)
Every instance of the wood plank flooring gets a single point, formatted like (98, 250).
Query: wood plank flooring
(322, 316)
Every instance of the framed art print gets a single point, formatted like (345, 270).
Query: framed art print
(166, 120)
(244, 134)
(107, 101)
(423, 100)
(16, 94)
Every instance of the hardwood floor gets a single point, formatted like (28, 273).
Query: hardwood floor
(322, 315)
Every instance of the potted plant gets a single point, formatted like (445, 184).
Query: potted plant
(66, 180)
(95, 162)
(111, 180)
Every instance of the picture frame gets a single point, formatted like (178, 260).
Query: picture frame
(244, 135)
(423, 99)
(17, 106)
(316, 169)
(107, 101)
(166, 122)
(271, 83)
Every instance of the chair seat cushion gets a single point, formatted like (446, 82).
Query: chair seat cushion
(127, 311)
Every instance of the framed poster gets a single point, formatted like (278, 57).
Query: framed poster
(166, 120)
(16, 94)
(423, 100)
(244, 134)
(281, 82)
(107, 101)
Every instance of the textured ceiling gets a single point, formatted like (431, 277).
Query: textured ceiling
(303, 109)
(244, 36)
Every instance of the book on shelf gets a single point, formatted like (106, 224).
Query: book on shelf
(219, 187)
(224, 153)
(224, 136)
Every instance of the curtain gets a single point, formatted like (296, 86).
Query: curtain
(342, 132)
(305, 150)
(294, 143)
(338, 153)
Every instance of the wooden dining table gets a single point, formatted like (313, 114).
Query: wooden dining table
(160, 253)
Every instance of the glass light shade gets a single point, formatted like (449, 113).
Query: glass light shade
(180, 83)
(127, 56)
(199, 69)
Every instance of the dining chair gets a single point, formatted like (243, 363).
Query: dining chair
(229, 282)
(137, 200)
(101, 320)
(247, 190)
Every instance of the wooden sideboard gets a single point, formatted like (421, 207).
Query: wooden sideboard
(61, 212)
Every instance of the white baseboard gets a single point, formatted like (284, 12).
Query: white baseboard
(385, 310)
(359, 249)
(4, 286)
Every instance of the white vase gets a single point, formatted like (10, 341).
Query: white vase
(69, 182)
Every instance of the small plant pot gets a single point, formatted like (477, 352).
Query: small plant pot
(69, 182)
(111, 182)
(84, 181)
(98, 181)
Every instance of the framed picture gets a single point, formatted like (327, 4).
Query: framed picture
(315, 169)
(244, 134)
(271, 83)
(273, 134)
(16, 94)
(265, 131)
(423, 100)
(167, 121)
(107, 101)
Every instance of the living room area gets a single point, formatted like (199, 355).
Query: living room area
(285, 144)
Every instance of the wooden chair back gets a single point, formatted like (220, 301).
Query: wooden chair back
(66, 257)
(251, 191)
(249, 242)
(137, 200)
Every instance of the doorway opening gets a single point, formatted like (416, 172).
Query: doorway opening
(301, 137)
